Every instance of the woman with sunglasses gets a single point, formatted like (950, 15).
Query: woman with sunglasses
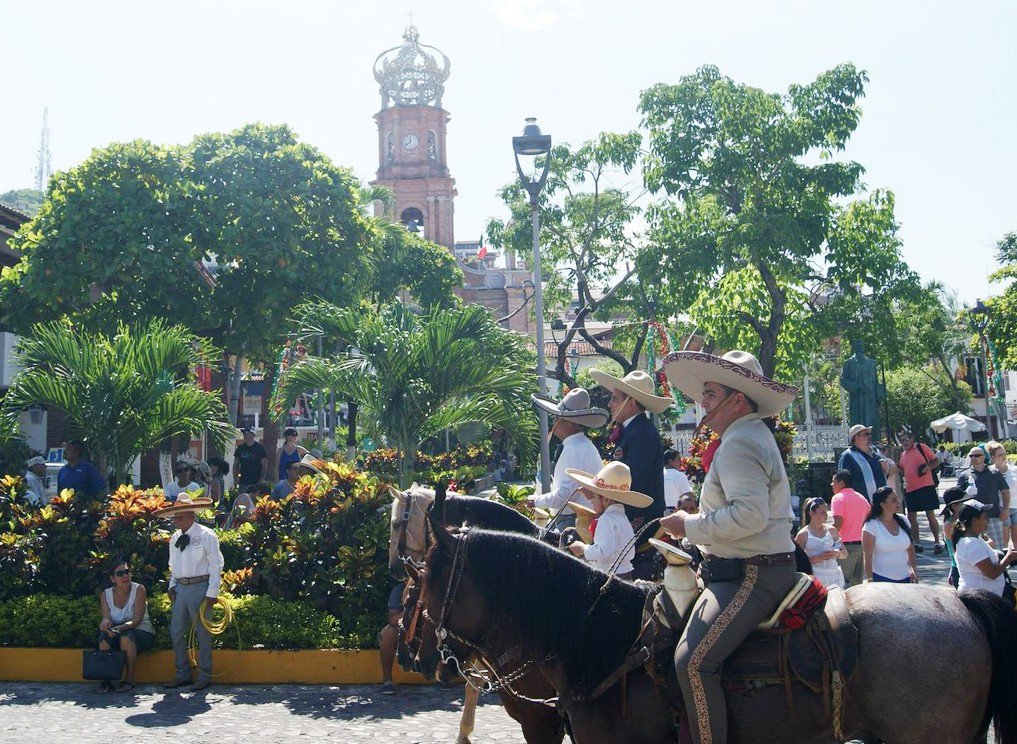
(125, 625)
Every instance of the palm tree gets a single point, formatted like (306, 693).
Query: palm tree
(123, 394)
(417, 375)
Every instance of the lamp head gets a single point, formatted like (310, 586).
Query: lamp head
(532, 142)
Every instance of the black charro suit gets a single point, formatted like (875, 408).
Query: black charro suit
(640, 448)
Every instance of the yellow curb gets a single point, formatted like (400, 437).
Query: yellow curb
(315, 667)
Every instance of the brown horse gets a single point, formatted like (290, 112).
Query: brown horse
(934, 665)
(408, 538)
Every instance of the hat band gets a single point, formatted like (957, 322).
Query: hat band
(601, 483)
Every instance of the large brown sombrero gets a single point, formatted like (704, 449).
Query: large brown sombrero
(637, 385)
(182, 505)
(690, 370)
(614, 481)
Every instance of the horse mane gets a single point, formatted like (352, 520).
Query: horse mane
(491, 515)
(539, 595)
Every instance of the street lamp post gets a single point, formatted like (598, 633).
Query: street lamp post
(534, 144)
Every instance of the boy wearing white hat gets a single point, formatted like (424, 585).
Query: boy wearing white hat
(610, 492)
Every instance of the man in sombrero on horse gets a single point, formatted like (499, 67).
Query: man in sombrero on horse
(743, 528)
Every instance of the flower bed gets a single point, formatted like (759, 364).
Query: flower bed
(308, 571)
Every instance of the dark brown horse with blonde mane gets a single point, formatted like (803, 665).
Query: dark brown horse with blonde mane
(933, 665)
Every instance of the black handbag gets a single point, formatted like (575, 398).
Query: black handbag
(102, 665)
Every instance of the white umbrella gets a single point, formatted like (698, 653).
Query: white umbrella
(958, 422)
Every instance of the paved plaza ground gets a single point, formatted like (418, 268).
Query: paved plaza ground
(36, 712)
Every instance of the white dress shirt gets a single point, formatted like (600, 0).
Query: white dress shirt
(577, 452)
(201, 556)
(613, 533)
(676, 485)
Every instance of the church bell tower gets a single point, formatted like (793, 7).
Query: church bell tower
(411, 138)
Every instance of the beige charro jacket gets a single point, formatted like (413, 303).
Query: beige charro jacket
(745, 503)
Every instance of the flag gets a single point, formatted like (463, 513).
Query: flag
(482, 251)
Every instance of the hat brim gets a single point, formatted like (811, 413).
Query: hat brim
(652, 403)
(674, 555)
(593, 418)
(945, 511)
(629, 498)
(196, 505)
(690, 370)
(581, 508)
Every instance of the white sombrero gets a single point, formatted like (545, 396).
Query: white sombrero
(690, 370)
(575, 407)
(614, 481)
(309, 461)
(637, 385)
(182, 505)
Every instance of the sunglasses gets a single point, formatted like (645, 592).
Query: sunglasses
(122, 572)
(976, 457)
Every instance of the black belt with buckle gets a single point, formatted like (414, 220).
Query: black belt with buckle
(712, 570)
(852, 542)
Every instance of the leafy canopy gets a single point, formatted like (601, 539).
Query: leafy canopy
(416, 375)
(755, 208)
(123, 393)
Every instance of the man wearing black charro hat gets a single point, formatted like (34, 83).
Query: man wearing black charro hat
(743, 529)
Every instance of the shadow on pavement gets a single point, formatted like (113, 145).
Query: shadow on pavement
(173, 710)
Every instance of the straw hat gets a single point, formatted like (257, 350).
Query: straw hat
(614, 481)
(584, 519)
(575, 407)
(637, 385)
(182, 505)
(690, 370)
(308, 461)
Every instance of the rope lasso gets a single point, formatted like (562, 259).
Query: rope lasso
(213, 626)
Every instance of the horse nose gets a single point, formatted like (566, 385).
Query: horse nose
(416, 666)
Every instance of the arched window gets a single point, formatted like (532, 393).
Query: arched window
(432, 146)
(413, 219)
(389, 148)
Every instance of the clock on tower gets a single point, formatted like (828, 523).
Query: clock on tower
(411, 137)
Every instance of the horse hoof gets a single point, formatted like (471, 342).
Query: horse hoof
(463, 739)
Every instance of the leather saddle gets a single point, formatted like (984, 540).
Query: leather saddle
(821, 655)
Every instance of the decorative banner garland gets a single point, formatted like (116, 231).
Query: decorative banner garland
(659, 341)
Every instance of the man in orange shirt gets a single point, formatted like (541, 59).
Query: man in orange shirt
(920, 494)
(850, 510)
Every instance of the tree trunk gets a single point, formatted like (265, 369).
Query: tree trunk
(351, 433)
(234, 374)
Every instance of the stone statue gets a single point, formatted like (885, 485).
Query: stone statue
(858, 377)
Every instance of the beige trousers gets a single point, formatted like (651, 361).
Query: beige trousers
(723, 616)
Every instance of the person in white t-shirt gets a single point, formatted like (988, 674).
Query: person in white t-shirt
(978, 564)
(35, 481)
(676, 483)
(887, 551)
(182, 484)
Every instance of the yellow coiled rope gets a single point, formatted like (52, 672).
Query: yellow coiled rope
(206, 616)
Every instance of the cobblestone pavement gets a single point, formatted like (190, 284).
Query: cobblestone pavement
(57, 713)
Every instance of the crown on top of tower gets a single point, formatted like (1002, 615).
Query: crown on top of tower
(409, 75)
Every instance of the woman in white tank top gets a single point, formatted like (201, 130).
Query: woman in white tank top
(821, 543)
(125, 624)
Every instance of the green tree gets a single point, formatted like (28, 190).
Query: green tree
(123, 393)
(919, 394)
(590, 248)
(26, 201)
(755, 193)
(1002, 325)
(418, 375)
(224, 235)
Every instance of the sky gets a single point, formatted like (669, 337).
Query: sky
(937, 127)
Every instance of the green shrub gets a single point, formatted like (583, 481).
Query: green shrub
(44, 620)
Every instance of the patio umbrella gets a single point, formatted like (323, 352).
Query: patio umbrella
(958, 422)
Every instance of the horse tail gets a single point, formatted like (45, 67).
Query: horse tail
(998, 621)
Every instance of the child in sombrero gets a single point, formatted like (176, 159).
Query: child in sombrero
(609, 492)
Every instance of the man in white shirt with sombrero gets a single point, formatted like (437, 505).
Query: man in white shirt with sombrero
(573, 415)
(195, 563)
(743, 528)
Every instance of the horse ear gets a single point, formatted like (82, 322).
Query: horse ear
(395, 492)
(446, 541)
(440, 493)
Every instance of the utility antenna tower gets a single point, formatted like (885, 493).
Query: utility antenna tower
(43, 169)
